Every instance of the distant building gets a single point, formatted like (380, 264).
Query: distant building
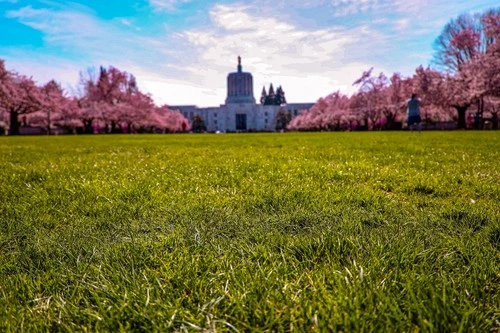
(241, 112)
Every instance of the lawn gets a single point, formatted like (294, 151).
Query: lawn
(375, 231)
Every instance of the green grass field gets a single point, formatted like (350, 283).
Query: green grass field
(357, 232)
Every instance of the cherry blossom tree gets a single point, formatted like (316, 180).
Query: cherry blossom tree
(172, 120)
(67, 117)
(104, 95)
(19, 95)
(493, 107)
(87, 112)
(113, 99)
(398, 91)
(371, 98)
(488, 65)
(329, 113)
(468, 49)
(338, 111)
(444, 96)
(6, 89)
(312, 119)
(54, 104)
(462, 40)
(135, 110)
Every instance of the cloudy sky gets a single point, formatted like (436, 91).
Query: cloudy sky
(181, 50)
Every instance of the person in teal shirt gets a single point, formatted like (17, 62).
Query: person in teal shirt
(414, 113)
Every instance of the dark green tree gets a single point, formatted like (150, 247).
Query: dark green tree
(282, 119)
(198, 124)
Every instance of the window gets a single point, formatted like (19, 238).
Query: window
(265, 113)
(215, 122)
(265, 120)
(215, 115)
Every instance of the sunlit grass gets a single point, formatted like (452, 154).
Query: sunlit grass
(265, 232)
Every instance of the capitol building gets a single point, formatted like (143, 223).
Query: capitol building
(240, 111)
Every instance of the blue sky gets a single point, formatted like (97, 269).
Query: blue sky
(181, 50)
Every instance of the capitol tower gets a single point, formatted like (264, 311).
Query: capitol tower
(240, 86)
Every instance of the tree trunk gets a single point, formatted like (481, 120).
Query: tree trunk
(14, 123)
(48, 122)
(480, 112)
(87, 125)
(389, 121)
(461, 110)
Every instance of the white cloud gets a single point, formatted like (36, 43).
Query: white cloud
(350, 7)
(58, 27)
(167, 4)
(308, 63)
(402, 24)
(77, 30)
(125, 22)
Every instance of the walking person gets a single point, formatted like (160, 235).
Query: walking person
(414, 113)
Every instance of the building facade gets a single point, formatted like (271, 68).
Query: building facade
(240, 111)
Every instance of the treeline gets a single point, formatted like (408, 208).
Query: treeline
(108, 101)
(465, 89)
